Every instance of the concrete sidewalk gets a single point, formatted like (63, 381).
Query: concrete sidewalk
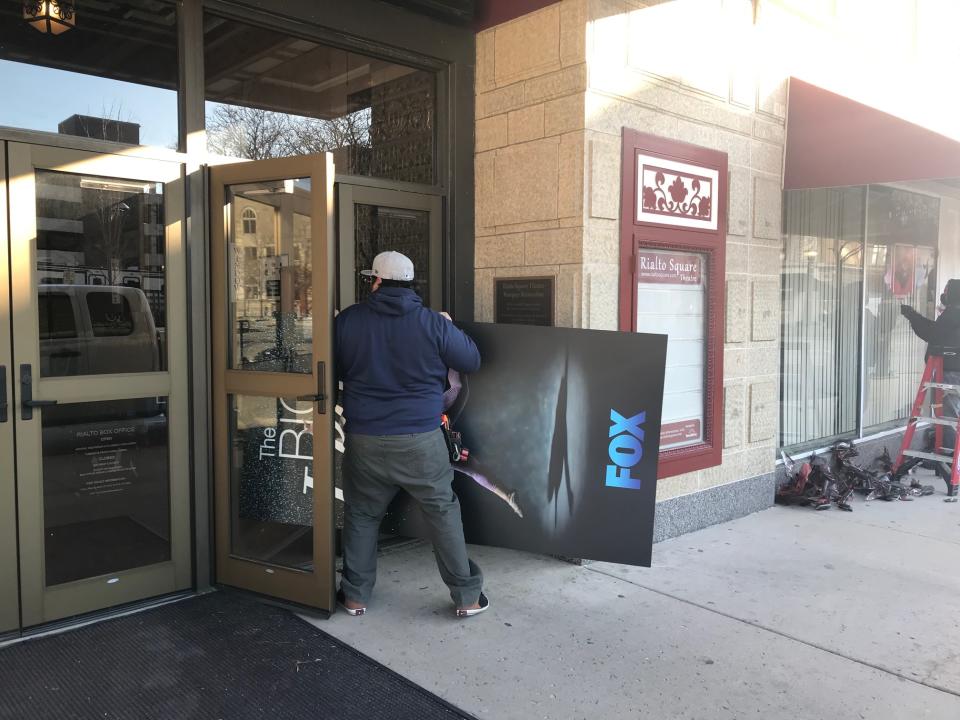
(788, 613)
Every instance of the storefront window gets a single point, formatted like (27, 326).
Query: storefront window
(272, 95)
(852, 256)
(822, 300)
(902, 233)
(112, 77)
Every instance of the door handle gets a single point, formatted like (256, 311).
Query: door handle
(321, 397)
(3, 394)
(27, 403)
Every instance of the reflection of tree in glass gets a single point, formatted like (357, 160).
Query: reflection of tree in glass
(256, 134)
(111, 210)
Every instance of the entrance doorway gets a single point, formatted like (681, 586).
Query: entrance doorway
(374, 219)
(272, 280)
(94, 489)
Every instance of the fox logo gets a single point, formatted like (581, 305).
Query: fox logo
(625, 450)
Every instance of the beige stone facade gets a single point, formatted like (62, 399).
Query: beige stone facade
(555, 88)
(531, 90)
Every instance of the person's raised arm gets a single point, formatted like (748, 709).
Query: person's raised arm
(941, 332)
(457, 349)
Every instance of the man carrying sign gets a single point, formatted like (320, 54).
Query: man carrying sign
(393, 355)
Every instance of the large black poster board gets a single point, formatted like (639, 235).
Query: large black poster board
(563, 428)
(523, 301)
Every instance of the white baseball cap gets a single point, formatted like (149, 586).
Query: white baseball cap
(391, 265)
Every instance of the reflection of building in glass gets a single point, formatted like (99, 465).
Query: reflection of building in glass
(275, 234)
(249, 216)
(101, 128)
(101, 231)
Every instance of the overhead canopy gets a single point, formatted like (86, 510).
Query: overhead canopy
(834, 141)
(482, 14)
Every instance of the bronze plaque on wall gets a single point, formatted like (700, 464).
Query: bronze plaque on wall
(523, 301)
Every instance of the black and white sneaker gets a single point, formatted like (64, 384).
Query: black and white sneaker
(470, 612)
(342, 602)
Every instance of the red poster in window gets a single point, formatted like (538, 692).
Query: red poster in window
(900, 272)
(669, 268)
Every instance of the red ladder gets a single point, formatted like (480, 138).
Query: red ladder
(933, 379)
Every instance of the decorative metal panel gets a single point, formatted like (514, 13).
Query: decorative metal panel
(675, 193)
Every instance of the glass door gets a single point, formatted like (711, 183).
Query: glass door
(98, 375)
(272, 266)
(374, 219)
(9, 597)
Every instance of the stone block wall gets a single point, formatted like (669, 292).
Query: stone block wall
(647, 70)
(530, 84)
(555, 89)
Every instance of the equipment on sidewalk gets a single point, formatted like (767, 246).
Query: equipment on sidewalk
(943, 459)
(820, 483)
(885, 465)
(813, 484)
(874, 483)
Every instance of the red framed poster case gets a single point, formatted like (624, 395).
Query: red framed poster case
(677, 237)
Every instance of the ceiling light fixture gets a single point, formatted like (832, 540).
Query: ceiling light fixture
(50, 16)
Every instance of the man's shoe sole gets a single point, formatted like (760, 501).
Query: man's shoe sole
(470, 612)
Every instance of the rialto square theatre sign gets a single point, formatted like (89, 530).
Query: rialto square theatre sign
(669, 268)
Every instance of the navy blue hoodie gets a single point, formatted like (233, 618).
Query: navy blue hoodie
(392, 355)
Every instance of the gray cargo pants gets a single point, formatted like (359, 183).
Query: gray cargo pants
(375, 467)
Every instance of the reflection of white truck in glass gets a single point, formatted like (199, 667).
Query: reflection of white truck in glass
(97, 330)
(105, 462)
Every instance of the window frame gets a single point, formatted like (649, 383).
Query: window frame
(96, 328)
(862, 430)
(248, 218)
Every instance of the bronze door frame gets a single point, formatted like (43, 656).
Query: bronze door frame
(9, 581)
(309, 588)
(41, 603)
